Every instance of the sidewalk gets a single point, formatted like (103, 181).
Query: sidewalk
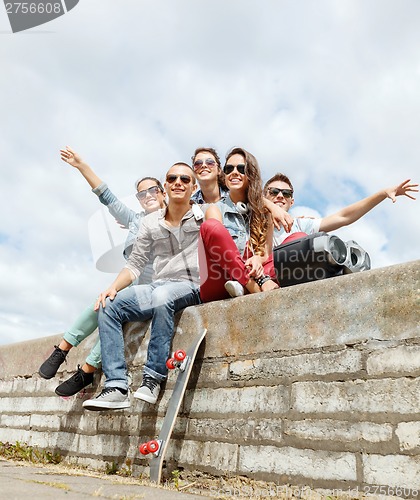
(26, 481)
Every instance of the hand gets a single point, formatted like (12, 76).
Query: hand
(402, 189)
(254, 266)
(281, 218)
(71, 157)
(269, 285)
(111, 293)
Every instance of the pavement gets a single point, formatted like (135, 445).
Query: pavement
(19, 480)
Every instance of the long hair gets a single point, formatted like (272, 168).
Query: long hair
(213, 152)
(258, 223)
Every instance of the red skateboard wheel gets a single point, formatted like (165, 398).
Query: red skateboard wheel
(180, 355)
(143, 449)
(170, 364)
(152, 446)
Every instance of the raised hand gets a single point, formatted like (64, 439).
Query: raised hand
(71, 157)
(403, 189)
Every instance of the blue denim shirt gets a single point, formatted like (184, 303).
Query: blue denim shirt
(197, 197)
(130, 219)
(236, 223)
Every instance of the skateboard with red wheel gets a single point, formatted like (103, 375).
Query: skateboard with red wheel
(182, 361)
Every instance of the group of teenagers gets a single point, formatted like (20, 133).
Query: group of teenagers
(207, 233)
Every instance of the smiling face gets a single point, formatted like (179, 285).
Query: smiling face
(236, 182)
(206, 168)
(150, 197)
(180, 183)
(278, 197)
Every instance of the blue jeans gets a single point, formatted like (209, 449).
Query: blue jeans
(158, 301)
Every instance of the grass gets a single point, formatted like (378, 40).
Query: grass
(23, 452)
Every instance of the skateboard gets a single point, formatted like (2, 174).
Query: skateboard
(182, 361)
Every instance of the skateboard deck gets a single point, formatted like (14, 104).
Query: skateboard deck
(158, 447)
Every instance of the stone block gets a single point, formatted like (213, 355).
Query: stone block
(408, 434)
(398, 360)
(15, 421)
(213, 456)
(242, 400)
(309, 464)
(316, 364)
(48, 423)
(339, 431)
(392, 470)
(371, 396)
(238, 430)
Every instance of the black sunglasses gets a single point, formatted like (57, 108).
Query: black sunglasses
(199, 163)
(153, 191)
(171, 178)
(228, 169)
(287, 193)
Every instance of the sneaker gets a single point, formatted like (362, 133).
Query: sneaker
(111, 398)
(75, 383)
(234, 288)
(51, 365)
(149, 389)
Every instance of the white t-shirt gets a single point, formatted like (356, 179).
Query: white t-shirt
(306, 225)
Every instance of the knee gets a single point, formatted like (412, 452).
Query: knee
(109, 310)
(293, 237)
(211, 227)
(161, 297)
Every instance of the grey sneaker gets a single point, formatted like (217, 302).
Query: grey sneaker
(149, 389)
(234, 288)
(111, 398)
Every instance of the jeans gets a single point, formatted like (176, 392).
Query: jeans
(158, 301)
(84, 326)
(220, 261)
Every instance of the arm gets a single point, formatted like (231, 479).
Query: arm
(117, 209)
(280, 216)
(354, 212)
(73, 159)
(121, 281)
(213, 212)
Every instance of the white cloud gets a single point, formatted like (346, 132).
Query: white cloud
(325, 91)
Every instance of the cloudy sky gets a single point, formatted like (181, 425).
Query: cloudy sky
(327, 92)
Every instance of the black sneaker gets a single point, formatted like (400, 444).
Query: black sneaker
(51, 365)
(75, 383)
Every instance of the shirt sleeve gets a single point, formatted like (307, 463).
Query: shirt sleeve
(116, 208)
(141, 252)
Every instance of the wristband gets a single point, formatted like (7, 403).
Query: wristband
(263, 279)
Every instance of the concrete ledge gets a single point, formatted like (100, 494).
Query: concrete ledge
(314, 384)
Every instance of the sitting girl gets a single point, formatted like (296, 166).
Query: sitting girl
(235, 248)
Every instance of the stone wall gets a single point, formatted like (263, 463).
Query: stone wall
(315, 385)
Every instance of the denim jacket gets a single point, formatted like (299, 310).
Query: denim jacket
(175, 258)
(197, 197)
(236, 223)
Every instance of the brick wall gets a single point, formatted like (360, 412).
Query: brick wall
(313, 385)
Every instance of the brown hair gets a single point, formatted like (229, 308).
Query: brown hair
(258, 223)
(213, 152)
(158, 183)
(278, 177)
